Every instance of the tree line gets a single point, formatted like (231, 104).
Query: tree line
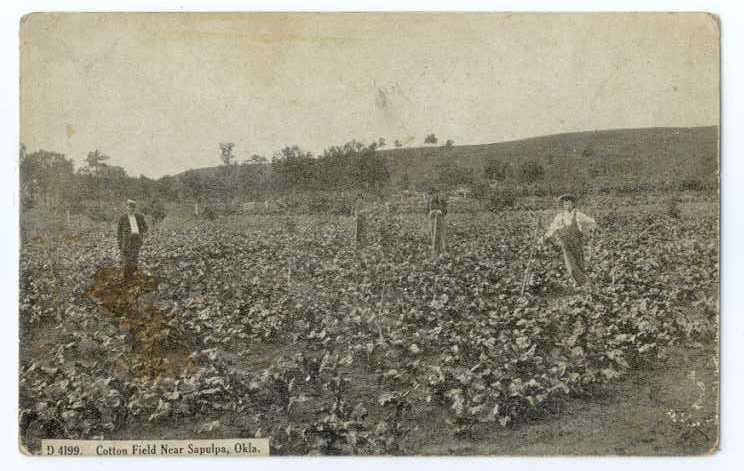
(50, 179)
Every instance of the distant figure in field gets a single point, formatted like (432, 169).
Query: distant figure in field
(436, 209)
(570, 226)
(360, 222)
(130, 234)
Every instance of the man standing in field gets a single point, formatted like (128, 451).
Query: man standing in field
(571, 227)
(436, 209)
(131, 231)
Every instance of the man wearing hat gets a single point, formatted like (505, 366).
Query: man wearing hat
(131, 231)
(570, 226)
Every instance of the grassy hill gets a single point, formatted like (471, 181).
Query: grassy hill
(647, 155)
(642, 155)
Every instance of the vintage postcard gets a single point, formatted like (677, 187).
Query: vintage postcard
(255, 234)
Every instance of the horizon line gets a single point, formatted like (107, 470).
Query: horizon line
(388, 149)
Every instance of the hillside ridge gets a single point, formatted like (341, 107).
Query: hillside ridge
(653, 153)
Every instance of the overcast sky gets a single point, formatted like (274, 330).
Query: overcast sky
(159, 92)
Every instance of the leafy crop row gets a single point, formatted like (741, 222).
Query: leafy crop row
(287, 331)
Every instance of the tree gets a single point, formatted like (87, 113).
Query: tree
(293, 169)
(381, 142)
(253, 179)
(114, 183)
(430, 139)
(449, 144)
(372, 170)
(227, 187)
(95, 161)
(47, 178)
(397, 143)
(193, 186)
(226, 152)
(351, 166)
(167, 188)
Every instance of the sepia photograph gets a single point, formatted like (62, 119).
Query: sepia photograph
(369, 234)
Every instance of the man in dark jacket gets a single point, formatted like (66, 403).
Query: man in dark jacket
(131, 231)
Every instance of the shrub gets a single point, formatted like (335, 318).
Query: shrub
(100, 214)
(481, 191)
(156, 211)
(342, 205)
(500, 200)
(318, 204)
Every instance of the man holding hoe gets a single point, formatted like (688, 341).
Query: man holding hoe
(570, 226)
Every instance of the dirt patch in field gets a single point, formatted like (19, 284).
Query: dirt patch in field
(630, 419)
(159, 345)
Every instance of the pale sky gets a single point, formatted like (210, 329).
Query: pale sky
(159, 92)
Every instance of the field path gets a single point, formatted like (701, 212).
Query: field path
(629, 420)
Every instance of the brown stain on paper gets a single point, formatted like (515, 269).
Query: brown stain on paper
(158, 345)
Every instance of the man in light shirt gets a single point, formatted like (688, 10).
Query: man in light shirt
(131, 231)
(570, 226)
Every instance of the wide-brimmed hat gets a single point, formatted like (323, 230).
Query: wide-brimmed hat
(567, 197)
(131, 203)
